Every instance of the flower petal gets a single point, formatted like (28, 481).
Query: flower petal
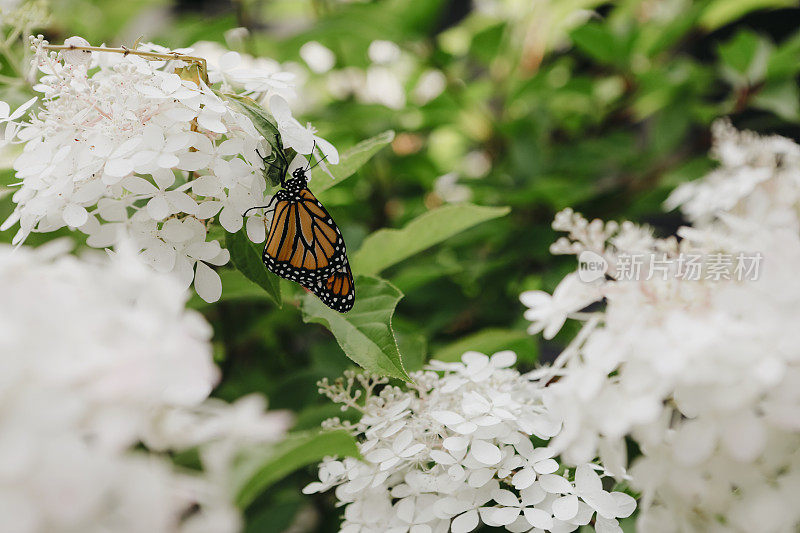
(74, 215)
(207, 283)
(538, 518)
(485, 452)
(465, 523)
(554, 484)
(566, 507)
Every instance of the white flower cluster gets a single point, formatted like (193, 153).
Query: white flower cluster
(124, 147)
(704, 375)
(103, 367)
(464, 443)
(391, 77)
(758, 178)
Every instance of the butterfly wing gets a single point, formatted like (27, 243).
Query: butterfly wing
(304, 243)
(338, 290)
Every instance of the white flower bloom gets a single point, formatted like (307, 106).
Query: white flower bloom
(383, 52)
(259, 77)
(549, 313)
(702, 372)
(122, 150)
(384, 86)
(295, 135)
(451, 451)
(319, 58)
(5, 111)
(449, 190)
(102, 363)
(758, 178)
(430, 85)
(385, 81)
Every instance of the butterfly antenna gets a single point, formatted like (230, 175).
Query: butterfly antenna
(311, 155)
(319, 161)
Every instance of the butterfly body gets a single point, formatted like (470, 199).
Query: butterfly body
(304, 245)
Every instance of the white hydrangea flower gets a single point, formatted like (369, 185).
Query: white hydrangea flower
(454, 449)
(702, 372)
(384, 81)
(383, 52)
(431, 84)
(260, 77)
(384, 85)
(124, 148)
(301, 138)
(758, 178)
(102, 365)
(448, 188)
(549, 313)
(319, 58)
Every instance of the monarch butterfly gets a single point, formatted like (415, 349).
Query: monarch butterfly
(305, 245)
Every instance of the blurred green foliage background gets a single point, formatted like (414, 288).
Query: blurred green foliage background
(533, 104)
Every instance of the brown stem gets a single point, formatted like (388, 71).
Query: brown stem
(201, 62)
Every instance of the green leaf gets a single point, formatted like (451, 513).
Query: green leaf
(420, 272)
(261, 468)
(350, 161)
(312, 416)
(721, 12)
(235, 287)
(247, 260)
(365, 332)
(489, 341)
(782, 98)
(414, 347)
(387, 247)
(745, 58)
(783, 62)
(654, 39)
(597, 41)
(277, 515)
(266, 126)
(486, 43)
(261, 118)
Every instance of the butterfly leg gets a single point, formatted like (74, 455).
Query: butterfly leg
(260, 206)
(280, 169)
